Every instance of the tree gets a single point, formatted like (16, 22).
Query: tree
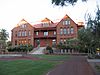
(9, 43)
(89, 37)
(85, 39)
(94, 26)
(72, 44)
(4, 34)
(3, 37)
(64, 2)
(50, 50)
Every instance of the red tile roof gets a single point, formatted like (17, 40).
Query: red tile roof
(41, 25)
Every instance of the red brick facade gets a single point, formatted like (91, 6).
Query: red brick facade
(45, 33)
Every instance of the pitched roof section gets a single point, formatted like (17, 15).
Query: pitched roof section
(23, 21)
(41, 26)
(66, 16)
(46, 20)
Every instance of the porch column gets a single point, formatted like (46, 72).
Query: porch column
(68, 50)
(61, 50)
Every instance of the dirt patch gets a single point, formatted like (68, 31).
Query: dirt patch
(20, 58)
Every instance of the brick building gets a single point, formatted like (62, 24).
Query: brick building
(45, 33)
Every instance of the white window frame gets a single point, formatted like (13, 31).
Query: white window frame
(45, 24)
(66, 22)
(46, 33)
(37, 33)
(54, 32)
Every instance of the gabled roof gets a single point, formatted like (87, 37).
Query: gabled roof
(23, 21)
(65, 17)
(46, 20)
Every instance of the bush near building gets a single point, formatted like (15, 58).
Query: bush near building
(21, 48)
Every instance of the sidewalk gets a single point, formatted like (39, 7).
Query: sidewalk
(76, 65)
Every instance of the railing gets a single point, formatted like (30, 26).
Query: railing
(42, 36)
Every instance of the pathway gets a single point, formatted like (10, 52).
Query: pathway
(76, 65)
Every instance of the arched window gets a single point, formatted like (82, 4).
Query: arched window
(61, 31)
(68, 30)
(71, 30)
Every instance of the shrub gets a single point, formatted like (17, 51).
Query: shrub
(20, 48)
(50, 50)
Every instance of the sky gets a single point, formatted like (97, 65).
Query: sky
(33, 11)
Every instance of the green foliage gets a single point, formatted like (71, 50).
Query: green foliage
(65, 2)
(9, 43)
(89, 38)
(49, 49)
(3, 38)
(3, 34)
(53, 57)
(20, 48)
(26, 67)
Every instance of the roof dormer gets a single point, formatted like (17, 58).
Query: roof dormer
(46, 22)
(22, 23)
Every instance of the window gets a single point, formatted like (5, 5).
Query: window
(29, 41)
(61, 31)
(16, 34)
(23, 33)
(29, 32)
(67, 22)
(53, 42)
(37, 41)
(19, 33)
(65, 31)
(45, 33)
(37, 33)
(45, 24)
(64, 41)
(54, 33)
(15, 42)
(68, 30)
(61, 41)
(23, 26)
(72, 30)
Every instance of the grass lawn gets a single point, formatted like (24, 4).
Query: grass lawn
(97, 67)
(30, 67)
(53, 57)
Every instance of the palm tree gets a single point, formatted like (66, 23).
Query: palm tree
(3, 37)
